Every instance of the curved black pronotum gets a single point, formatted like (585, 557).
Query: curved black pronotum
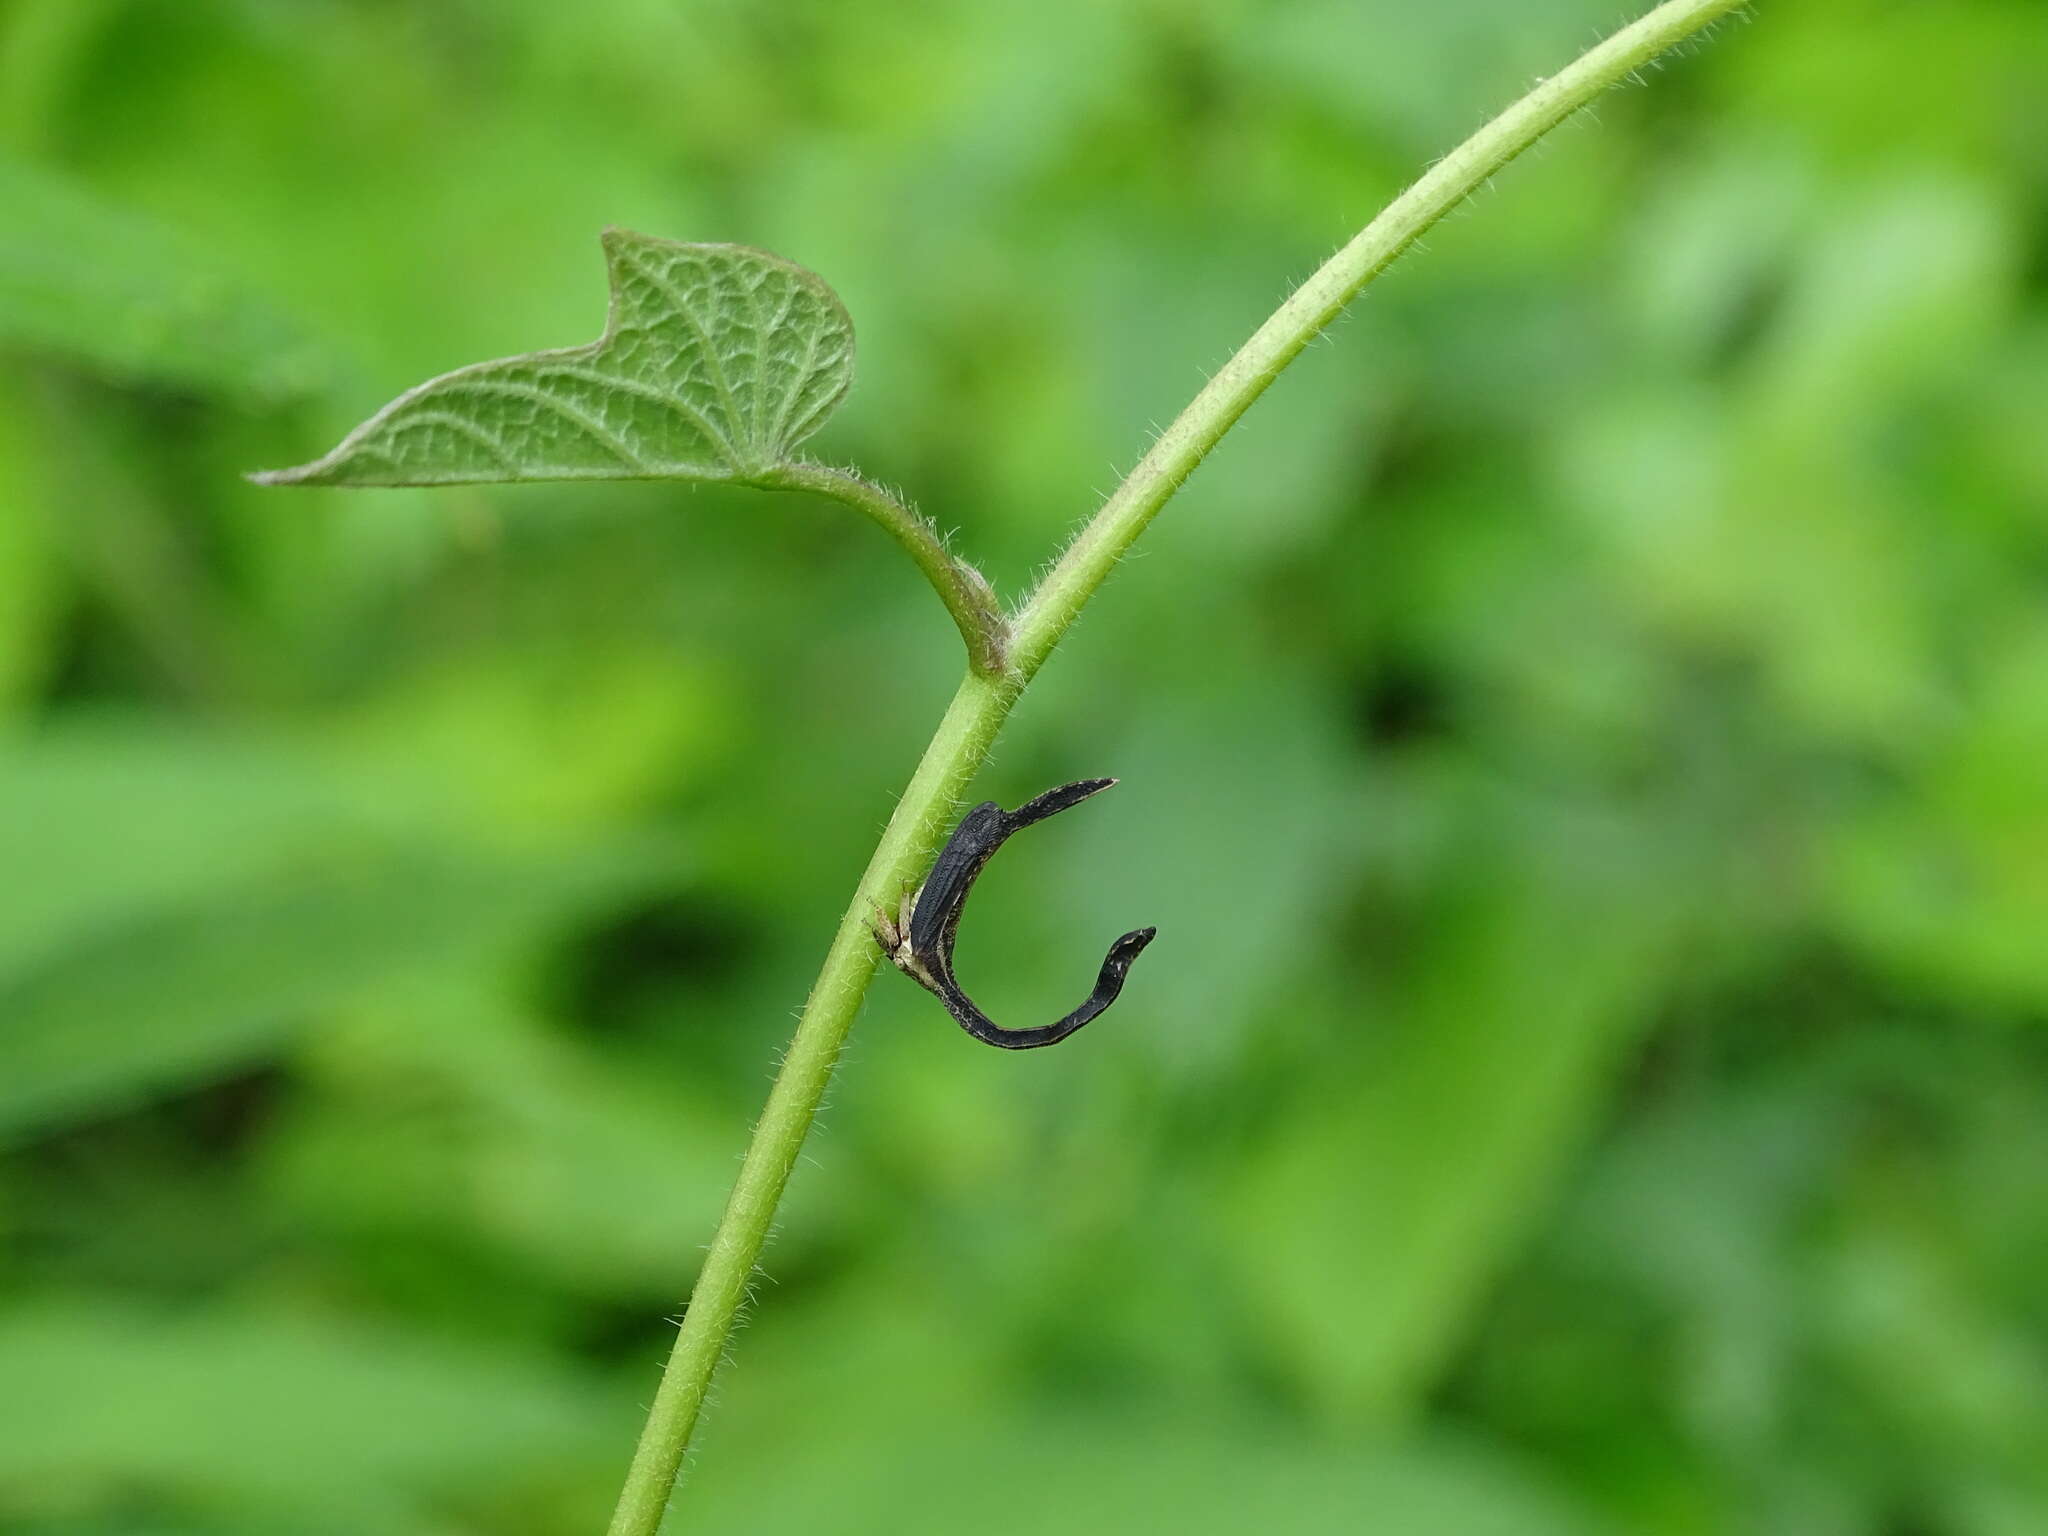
(920, 939)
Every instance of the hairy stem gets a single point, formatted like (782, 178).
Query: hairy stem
(908, 845)
(985, 698)
(1090, 558)
(963, 589)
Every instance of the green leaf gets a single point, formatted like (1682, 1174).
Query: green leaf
(408, 1134)
(1192, 1475)
(716, 361)
(196, 991)
(291, 1421)
(98, 285)
(177, 906)
(34, 580)
(1381, 1212)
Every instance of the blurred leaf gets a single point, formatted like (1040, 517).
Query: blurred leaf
(916, 1399)
(1371, 1223)
(533, 747)
(275, 1412)
(1948, 885)
(716, 361)
(1272, 802)
(1115, 1475)
(93, 284)
(445, 1109)
(1898, 295)
(41, 47)
(1711, 243)
(195, 990)
(33, 582)
(267, 896)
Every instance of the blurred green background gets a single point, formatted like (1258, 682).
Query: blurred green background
(1584, 743)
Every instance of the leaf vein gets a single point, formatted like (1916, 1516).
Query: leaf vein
(462, 425)
(605, 437)
(689, 318)
(661, 397)
(782, 433)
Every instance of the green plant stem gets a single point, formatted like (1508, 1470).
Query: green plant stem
(908, 844)
(1090, 558)
(984, 701)
(963, 589)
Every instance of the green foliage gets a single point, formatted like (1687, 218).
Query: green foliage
(299, 1433)
(200, 898)
(85, 280)
(715, 363)
(1583, 755)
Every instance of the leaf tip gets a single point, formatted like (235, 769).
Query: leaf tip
(613, 236)
(298, 474)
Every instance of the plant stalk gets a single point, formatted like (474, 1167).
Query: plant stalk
(963, 589)
(985, 698)
(908, 844)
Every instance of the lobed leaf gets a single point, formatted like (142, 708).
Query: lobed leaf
(716, 361)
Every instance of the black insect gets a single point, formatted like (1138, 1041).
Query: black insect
(920, 937)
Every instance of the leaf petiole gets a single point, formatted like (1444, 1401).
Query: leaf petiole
(963, 589)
